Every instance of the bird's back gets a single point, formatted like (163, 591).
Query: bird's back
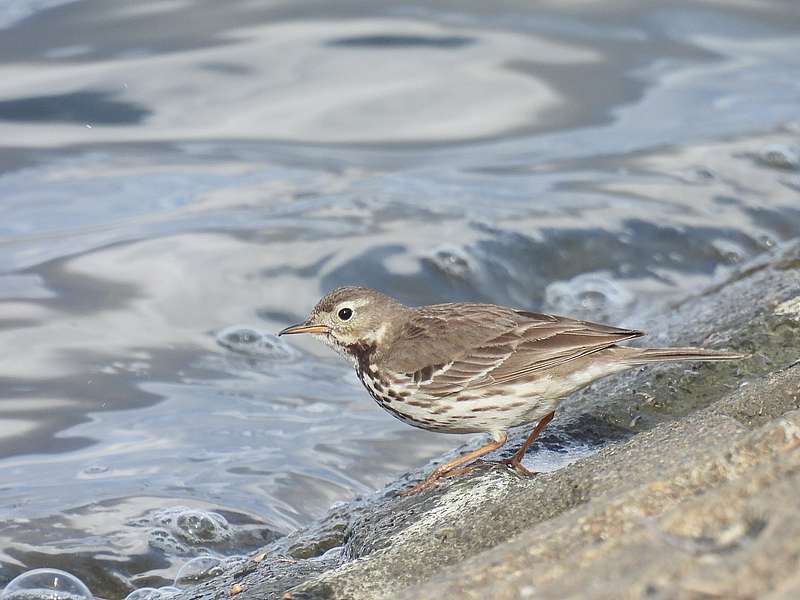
(449, 347)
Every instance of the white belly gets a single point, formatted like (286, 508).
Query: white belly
(492, 408)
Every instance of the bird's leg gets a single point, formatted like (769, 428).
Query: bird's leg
(515, 462)
(447, 467)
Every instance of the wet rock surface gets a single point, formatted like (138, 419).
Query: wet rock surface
(690, 491)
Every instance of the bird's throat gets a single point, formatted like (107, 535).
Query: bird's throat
(361, 353)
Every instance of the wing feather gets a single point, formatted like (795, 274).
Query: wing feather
(474, 347)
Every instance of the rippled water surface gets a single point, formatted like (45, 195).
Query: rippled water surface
(180, 178)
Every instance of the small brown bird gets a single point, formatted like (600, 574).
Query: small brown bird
(470, 368)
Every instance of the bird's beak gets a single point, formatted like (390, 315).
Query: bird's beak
(305, 328)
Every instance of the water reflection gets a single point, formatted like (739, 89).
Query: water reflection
(365, 92)
(601, 160)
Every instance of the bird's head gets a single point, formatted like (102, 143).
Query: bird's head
(350, 316)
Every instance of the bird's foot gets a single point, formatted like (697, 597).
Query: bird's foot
(430, 480)
(420, 487)
(454, 467)
(515, 465)
(463, 470)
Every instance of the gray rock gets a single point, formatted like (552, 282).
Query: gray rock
(691, 492)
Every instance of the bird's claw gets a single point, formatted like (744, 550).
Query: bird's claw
(516, 466)
(431, 480)
(421, 486)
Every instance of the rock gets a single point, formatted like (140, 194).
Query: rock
(715, 519)
(691, 492)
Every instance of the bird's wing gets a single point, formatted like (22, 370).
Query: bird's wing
(472, 348)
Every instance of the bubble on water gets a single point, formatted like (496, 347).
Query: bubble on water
(198, 570)
(145, 593)
(767, 241)
(95, 470)
(178, 528)
(588, 294)
(184, 531)
(696, 175)
(780, 156)
(46, 584)
(148, 593)
(163, 540)
(252, 342)
(729, 251)
(452, 261)
(198, 526)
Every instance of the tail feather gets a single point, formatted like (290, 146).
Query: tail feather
(646, 355)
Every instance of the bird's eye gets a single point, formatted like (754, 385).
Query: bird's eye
(345, 313)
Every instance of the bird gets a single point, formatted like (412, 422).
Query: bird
(474, 367)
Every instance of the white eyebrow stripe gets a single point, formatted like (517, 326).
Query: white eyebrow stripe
(359, 302)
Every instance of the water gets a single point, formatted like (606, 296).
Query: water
(179, 179)
(46, 584)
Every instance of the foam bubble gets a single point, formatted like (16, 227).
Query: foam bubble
(164, 540)
(145, 593)
(587, 294)
(178, 529)
(452, 261)
(95, 470)
(252, 342)
(198, 526)
(780, 156)
(198, 570)
(46, 584)
(148, 593)
(193, 531)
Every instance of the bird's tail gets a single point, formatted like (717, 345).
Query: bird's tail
(639, 356)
